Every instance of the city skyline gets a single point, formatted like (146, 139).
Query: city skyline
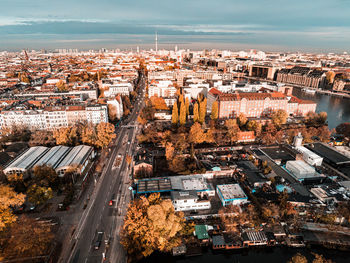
(266, 25)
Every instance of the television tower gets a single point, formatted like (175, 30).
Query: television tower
(156, 41)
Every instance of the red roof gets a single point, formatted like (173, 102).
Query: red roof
(215, 91)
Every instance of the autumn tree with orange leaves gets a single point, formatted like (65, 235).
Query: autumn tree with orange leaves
(99, 136)
(8, 198)
(151, 224)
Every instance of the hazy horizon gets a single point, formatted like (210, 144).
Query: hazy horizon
(322, 26)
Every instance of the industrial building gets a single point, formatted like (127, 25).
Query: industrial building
(187, 201)
(181, 183)
(231, 194)
(25, 161)
(309, 156)
(60, 158)
(300, 170)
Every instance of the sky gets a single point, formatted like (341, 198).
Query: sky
(270, 25)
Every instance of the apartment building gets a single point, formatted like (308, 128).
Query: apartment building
(118, 88)
(52, 117)
(302, 76)
(256, 105)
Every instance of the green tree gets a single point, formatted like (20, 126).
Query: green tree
(45, 175)
(175, 114)
(195, 113)
(182, 118)
(214, 111)
(151, 224)
(39, 194)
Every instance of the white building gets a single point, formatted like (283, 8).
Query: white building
(231, 194)
(309, 156)
(188, 200)
(53, 117)
(300, 170)
(118, 88)
(118, 105)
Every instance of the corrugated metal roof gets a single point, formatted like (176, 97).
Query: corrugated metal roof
(28, 158)
(54, 156)
(76, 156)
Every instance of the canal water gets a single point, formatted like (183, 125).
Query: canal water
(252, 255)
(338, 109)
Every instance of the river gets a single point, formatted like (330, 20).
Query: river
(338, 109)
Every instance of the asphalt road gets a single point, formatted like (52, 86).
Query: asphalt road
(99, 216)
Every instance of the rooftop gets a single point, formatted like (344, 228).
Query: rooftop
(329, 154)
(231, 192)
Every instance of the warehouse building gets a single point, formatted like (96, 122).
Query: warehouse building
(25, 161)
(231, 194)
(60, 158)
(301, 171)
(77, 158)
(309, 156)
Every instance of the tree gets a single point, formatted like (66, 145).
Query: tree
(344, 129)
(8, 198)
(39, 194)
(45, 175)
(105, 134)
(323, 133)
(27, 238)
(195, 113)
(232, 130)
(322, 117)
(242, 119)
(158, 103)
(169, 151)
(42, 138)
(175, 114)
(268, 136)
(128, 159)
(187, 104)
(320, 259)
(151, 224)
(182, 118)
(214, 111)
(66, 136)
(141, 120)
(202, 110)
(279, 117)
(298, 258)
(62, 86)
(196, 135)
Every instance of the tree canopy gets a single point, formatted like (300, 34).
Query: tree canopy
(151, 224)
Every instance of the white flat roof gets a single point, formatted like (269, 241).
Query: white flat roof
(231, 191)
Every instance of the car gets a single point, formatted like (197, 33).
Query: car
(112, 199)
(98, 240)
